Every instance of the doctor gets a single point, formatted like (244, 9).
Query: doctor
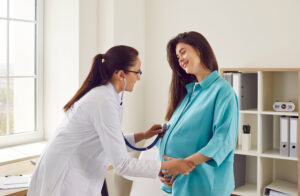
(90, 138)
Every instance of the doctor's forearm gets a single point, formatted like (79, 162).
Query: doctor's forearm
(198, 158)
(139, 136)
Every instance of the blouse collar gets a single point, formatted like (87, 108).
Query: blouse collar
(205, 83)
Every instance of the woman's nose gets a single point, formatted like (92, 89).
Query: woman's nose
(180, 60)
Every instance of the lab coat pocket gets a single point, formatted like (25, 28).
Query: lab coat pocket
(75, 183)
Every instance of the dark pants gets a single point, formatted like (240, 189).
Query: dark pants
(104, 191)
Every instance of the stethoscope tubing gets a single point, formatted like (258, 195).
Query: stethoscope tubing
(145, 148)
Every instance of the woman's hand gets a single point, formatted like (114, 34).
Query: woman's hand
(173, 167)
(154, 130)
(166, 180)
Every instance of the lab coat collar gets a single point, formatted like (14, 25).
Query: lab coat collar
(117, 96)
(204, 83)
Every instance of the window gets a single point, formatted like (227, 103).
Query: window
(21, 33)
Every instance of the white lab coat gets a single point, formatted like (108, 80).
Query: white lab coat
(76, 159)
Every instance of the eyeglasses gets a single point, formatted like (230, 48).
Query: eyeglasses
(139, 73)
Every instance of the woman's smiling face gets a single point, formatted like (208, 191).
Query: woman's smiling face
(188, 58)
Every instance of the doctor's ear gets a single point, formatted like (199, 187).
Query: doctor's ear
(120, 74)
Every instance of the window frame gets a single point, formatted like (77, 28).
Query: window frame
(38, 135)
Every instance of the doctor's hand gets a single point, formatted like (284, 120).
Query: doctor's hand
(166, 180)
(173, 166)
(154, 130)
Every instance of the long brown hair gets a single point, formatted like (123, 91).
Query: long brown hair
(103, 67)
(179, 77)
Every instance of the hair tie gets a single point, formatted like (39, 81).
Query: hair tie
(103, 58)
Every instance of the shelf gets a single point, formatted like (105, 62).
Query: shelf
(280, 113)
(275, 154)
(278, 86)
(260, 166)
(277, 169)
(247, 189)
(251, 152)
(245, 174)
(250, 111)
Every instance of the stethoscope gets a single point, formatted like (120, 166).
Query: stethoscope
(164, 126)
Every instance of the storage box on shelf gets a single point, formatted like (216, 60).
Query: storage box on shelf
(262, 163)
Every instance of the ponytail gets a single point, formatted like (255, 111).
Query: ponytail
(96, 77)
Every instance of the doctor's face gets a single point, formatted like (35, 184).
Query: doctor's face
(133, 75)
(188, 58)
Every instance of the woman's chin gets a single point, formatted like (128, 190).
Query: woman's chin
(129, 90)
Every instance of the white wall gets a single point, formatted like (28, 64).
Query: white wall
(71, 41)
(250, 33)
(61, 65)
(88, 36)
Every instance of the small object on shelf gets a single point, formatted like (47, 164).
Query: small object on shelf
(287, 106)
(13, 182)
(246, 137)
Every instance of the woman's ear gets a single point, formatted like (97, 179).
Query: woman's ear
(198, 52)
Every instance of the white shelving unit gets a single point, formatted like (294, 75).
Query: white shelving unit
(262, 164)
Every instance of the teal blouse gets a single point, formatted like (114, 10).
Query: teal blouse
(206, 121)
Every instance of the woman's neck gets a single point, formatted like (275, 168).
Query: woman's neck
(202, 74)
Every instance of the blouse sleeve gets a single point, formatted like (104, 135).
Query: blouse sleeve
(106, 120)
(225, 129)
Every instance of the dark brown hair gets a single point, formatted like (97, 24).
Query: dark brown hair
(103, 67)
(179, 77)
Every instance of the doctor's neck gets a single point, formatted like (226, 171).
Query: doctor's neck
(118, 84)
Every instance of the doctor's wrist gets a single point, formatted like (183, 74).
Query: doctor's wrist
(139, 136)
